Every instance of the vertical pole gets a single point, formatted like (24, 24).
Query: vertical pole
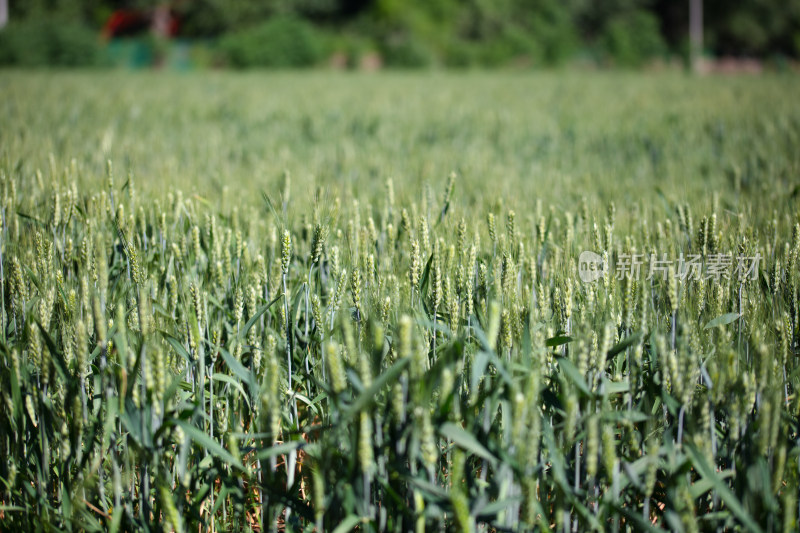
(696, 33)
(3, 13)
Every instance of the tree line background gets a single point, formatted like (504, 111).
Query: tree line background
(403, 33)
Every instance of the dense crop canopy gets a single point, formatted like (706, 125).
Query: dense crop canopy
(400, 353)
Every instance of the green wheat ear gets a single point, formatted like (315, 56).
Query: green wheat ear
(336, 367)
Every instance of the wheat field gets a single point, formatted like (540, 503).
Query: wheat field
(333, 302)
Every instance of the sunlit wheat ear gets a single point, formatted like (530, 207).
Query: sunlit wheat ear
(370, 270)
(592, 445)
(196, 250)
(316, 313)
(365, 453)
(404, 347)
(270, 399)
(541, 230)
(335, 366)
(454, 314)
(334, 262)
(286, 251)
(338, 295)
(386, 308)
(318, 243)
(415, 268)
(19, 289)
(436, 280)
(511, 227)
(423, 235)
(429, 450)
(389, 245)
(197, 303)
(405, 222)
(99, 322)
(355, 291)
(490, 222)
(371, 234)
(506, 332)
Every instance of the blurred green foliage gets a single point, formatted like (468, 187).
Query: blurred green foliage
(47, 41)
(753, 27)
(282, 42)
(416, 33)
(633, 38)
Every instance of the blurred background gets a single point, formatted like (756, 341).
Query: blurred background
(707, 35)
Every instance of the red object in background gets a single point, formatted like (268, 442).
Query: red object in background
(129, 22)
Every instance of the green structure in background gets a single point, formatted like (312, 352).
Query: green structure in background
(133, 53)
(145, 53)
